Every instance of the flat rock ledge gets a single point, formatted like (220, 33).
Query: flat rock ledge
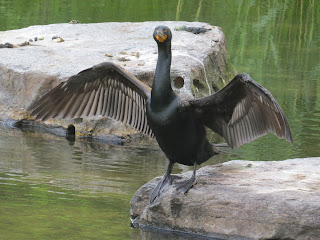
(31, 68)
(239, 200)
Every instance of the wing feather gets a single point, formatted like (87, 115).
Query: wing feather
(242, 111)
(101, 100)
(75, 106)
(105, 89)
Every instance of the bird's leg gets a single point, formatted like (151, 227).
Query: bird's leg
(167, 178)
(185, 186)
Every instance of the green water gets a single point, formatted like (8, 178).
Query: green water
(52, 189)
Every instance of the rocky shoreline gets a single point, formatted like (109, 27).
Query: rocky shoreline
(239, 200)
(57, 51)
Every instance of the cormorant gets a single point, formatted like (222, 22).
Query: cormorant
(240, 112)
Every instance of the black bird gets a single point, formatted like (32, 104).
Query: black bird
(240, 112)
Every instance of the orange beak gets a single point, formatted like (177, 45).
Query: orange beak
(161, 38)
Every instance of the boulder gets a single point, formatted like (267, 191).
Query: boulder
(40, 57)
(239, 200)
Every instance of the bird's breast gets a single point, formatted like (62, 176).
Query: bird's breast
(161, 115)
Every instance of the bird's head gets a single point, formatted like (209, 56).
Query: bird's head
(162, 34)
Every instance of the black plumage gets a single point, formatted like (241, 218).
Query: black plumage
(240, 112)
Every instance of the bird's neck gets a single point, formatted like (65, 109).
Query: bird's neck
(162, 93)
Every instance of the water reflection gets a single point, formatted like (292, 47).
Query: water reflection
(41, 167)
(44, 179)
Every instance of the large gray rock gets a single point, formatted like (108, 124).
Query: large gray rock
(28, 72)
(240, 199)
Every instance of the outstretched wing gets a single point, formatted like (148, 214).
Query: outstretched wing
(242, 111)
(105, 89)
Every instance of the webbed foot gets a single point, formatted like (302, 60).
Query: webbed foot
(165, 181)
(185, 186)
